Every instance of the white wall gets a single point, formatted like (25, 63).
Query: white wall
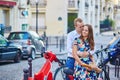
(54, 10)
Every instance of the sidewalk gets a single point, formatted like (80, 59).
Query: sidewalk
(112, 73)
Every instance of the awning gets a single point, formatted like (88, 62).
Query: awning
(7, 3)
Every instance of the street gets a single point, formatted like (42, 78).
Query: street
(14, 71)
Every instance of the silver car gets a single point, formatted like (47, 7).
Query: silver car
(30, 41)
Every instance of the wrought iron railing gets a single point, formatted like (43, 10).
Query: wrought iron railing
(71, 4)
(40, 5)
(7, 29)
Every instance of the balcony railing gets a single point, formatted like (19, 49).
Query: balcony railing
(71, 4)
(41, 5)
(39, 27)
(7, 29)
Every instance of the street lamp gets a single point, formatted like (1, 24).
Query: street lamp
(36, 3)
(36, 16)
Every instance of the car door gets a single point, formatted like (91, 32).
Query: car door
(35, 41)
(7, 51)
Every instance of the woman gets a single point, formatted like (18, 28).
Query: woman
(85, 67)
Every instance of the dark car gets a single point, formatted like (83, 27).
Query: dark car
(30, 41)
(114, 47)
(9, 50)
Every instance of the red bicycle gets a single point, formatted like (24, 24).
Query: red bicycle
(45, 72)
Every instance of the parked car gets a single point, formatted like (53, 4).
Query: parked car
(30, 41)
(9, 50)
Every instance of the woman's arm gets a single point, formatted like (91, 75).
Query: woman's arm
(74, 52)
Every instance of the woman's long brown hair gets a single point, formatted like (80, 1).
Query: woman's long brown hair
(90, 36)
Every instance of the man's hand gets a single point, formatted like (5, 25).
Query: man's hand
(83, 54)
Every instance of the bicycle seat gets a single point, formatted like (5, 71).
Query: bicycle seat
(68, 71)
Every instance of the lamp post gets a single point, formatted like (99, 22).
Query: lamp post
(36, 3)
(36, 16)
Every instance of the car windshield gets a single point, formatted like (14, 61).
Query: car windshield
(34, 34)
(18, 35)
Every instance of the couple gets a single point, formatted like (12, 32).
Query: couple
(80, 46)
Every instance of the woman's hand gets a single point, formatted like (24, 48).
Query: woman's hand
(94, 67)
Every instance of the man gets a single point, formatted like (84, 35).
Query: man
(78, 24)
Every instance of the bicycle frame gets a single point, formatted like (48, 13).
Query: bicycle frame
(45, 72)
(104, 61)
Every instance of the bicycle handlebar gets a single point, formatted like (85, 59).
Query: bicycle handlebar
(99, 51)
(52, 57)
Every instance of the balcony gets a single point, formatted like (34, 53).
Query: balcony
(41, 4)
(39, 28)
(7, 29)
(73, 5)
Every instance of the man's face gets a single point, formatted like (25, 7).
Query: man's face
(79, 26)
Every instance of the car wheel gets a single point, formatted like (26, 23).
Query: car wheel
(32, 55)
(17, 57)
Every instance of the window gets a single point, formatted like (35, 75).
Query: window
(2, 41)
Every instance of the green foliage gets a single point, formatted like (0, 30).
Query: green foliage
(71, 17)
(109, 22)
(112, 23)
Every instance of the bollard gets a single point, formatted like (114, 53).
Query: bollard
(26, 74)
(117, 67)
(60, 45)
(46, 43)
(63, 48)
(56, 41)
(107, 69)
(30, 66)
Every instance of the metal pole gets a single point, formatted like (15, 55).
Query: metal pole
(36, 17)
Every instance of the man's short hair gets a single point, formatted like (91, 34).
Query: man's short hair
(77, 20)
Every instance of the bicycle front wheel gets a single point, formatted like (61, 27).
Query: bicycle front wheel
(59, 74)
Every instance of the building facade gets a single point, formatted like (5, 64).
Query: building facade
(7, 15)
(89, 11)
(55, 17)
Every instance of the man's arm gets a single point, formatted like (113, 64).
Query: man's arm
(69, 43)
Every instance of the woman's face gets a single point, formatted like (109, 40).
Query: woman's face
(85, 31)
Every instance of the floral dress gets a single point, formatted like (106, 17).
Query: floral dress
(81, 73)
